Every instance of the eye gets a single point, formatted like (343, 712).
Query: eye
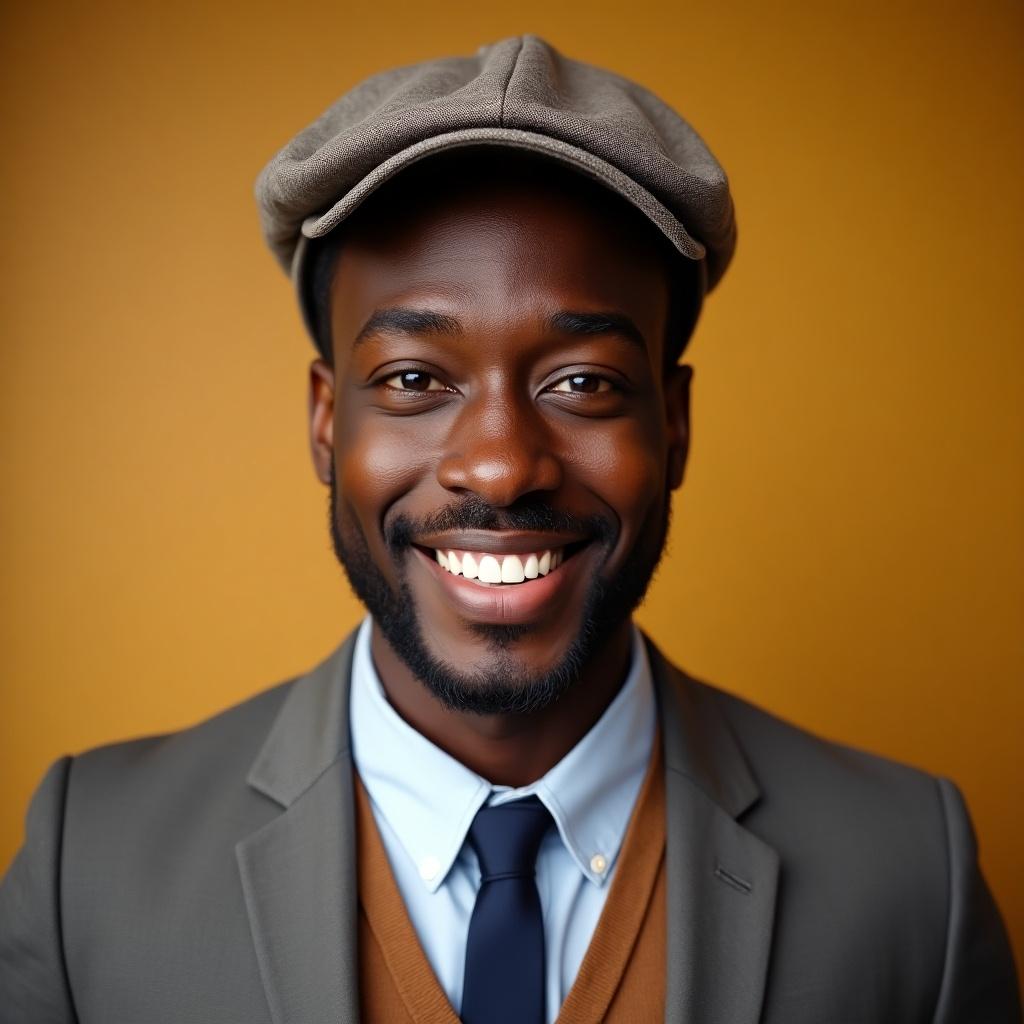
(414, 380)
(583, 384)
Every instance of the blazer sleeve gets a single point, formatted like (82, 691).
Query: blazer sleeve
(33, 979)
(979, 982)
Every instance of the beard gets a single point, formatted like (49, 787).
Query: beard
(505, 686)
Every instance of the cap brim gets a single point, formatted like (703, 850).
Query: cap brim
(578, 159)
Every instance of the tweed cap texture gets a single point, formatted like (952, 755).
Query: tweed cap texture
(518, 93)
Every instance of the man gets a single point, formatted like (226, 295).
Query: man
(497, 801)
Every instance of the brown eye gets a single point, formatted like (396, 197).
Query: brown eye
(583, 384)
(414, 380)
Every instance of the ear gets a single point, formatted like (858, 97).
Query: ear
(321, 418)
(677, 421)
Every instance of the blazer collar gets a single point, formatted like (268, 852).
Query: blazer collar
(721, 878)
(299, 871)
(310, 732)
(299, 876)
(699, 742)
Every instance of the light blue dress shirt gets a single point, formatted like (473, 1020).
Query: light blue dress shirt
(424, 801)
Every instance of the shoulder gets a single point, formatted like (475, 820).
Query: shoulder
(842, 820)
(812, 785)
(207, 784)
(878, 867)
(786, 754)
(861, 838)
(221, 747)
(168, 800)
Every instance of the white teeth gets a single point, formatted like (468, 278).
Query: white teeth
(499, 568)
(512, 570)
(490, 571)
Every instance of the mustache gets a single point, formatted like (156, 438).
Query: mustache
(473, 513)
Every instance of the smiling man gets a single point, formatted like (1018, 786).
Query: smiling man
(502, 421)
(497, 802)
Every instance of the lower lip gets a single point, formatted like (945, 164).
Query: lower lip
(509, 604)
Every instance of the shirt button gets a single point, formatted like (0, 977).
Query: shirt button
(429, 867)
(598, 864)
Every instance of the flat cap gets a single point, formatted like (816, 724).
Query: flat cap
(519, 93)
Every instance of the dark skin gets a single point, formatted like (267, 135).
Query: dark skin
(508, 399)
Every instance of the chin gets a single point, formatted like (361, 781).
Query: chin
(505, 680)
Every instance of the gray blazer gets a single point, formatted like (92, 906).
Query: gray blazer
(209, 876)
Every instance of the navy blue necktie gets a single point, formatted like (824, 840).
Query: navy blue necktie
(505, 968)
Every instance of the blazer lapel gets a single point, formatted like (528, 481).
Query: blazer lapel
(298, 871)
(722, 878)
(299, 874)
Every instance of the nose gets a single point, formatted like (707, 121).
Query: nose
(500, 450)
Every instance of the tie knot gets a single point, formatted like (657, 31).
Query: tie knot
(506, 838)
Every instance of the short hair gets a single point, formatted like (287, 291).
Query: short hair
(684, 275)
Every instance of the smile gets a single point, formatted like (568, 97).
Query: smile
(492, 568)
(507, 577)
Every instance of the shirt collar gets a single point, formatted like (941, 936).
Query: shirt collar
(428, 799)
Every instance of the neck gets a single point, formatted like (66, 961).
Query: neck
(508, 749)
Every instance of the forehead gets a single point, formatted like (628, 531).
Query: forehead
(495, 244)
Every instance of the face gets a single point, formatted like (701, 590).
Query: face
(499, 432)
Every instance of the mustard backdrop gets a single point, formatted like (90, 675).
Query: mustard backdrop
(847, 550)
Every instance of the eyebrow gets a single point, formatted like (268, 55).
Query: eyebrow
(570, 322)
(403, 320)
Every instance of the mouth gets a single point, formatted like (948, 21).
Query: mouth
(492, 568)
(496, 577)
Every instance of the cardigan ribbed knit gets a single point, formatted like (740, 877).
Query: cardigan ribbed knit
(621, 979)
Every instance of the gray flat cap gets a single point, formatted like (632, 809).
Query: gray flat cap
(519, 93)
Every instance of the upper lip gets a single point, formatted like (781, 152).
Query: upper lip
(498, 542)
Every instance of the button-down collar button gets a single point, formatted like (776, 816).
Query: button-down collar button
(598, 864)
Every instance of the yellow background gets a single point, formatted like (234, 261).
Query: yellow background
(847, 550)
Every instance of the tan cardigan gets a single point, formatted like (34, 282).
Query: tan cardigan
(621, 979)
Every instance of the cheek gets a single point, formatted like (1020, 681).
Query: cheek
(376, 461)
(623, 463)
